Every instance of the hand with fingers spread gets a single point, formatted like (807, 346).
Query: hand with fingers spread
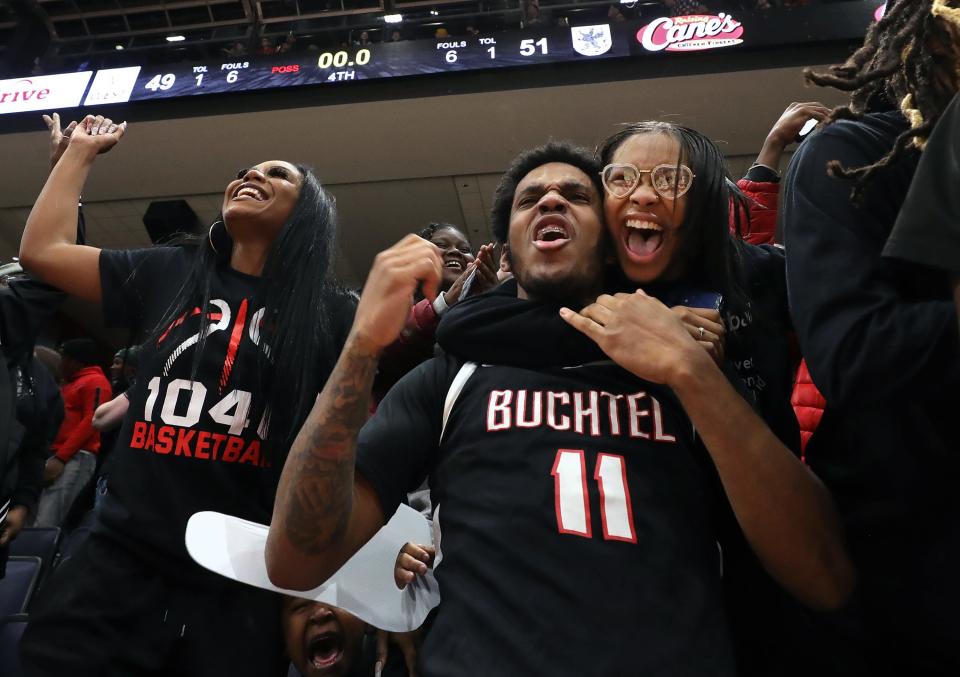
(388, 293)
(793, 118)
(59, 138)
(96, 134)
(639, 333)
(413, 561)
(786, 128)
(706, 327)
(484, 279)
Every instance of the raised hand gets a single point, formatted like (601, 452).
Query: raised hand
(639, 333)
(785, 130)
(793, 118)
(388, 294)
(59, 138)
(484, 278)
(97, 134)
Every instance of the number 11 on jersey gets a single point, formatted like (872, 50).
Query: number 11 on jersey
(572, 499)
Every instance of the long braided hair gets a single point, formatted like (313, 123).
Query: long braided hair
(909, 59)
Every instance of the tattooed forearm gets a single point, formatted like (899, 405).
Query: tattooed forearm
(315, 496)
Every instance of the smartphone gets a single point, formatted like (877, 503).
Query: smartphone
(693, 298)
(808, 127)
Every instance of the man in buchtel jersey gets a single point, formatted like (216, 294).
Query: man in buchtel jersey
(580, 501)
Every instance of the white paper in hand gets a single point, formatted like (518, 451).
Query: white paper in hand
(364, 586)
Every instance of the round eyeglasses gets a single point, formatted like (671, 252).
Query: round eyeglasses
(669, 181)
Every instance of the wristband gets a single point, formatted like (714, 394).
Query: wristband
(440, 304)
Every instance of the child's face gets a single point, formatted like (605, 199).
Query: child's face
(321, 640)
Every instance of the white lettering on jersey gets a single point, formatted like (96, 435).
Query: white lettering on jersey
(642, 416)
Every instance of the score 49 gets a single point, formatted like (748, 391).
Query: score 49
(165, 81)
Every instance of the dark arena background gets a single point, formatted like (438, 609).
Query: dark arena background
(692, 421)
(403, 132)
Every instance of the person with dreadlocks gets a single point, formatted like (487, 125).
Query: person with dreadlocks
(926, 231)
(242, 333)
(881, 342)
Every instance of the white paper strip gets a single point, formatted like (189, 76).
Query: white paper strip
(364, 586)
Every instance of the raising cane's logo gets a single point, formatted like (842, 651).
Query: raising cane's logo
(690, 33)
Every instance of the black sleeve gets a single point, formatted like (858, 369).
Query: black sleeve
(31, 458)
(927, 230)
(35, 446)
(762, 174)
(135, 280)
(862, 340)
(26, 306)
(766, 281)
(397, 448)
(54, 410)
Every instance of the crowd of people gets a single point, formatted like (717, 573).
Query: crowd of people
(594, 410)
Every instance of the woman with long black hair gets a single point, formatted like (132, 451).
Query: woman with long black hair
(241, 335)
(668, 205)
(674, 218)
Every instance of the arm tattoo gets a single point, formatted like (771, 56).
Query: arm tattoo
(316, 493)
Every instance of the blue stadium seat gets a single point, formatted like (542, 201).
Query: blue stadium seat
(10, 631)
(16, 588)
(39, 542)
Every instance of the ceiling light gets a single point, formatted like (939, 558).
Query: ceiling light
(118, 47)
(175, 38)
(393, 18)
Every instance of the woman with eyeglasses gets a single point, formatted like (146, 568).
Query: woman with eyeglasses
(668, 205)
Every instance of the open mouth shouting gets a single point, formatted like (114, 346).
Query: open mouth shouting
(551, 232)
(249, 191)
(643, 237)
(325, 649)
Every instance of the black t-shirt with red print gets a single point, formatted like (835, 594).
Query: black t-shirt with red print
(188, 444)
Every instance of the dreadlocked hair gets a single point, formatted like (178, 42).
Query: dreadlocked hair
(897, 66)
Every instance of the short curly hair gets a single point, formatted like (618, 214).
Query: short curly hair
(554, 151)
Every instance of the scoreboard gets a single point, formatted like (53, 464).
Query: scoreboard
(660, 37)
(384, 60)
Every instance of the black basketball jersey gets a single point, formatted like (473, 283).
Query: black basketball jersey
(576, 515)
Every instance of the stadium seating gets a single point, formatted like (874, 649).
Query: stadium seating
(39, 542)
(10, 631)
(17, 587)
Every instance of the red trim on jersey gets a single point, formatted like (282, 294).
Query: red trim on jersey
(626, 496)
(586, 497)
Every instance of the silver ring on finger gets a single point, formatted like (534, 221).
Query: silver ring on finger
(701, 332)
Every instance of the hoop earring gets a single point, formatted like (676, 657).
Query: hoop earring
(210, 236)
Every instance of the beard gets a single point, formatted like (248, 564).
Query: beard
(575, 288)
